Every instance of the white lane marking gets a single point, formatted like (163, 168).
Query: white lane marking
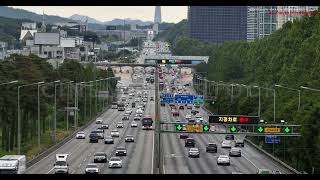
(250, 161)
(50, 170)
(152, 154)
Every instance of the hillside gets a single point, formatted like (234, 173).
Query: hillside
(174, 32)
(289, 57)
(23, 14)
(10, 30)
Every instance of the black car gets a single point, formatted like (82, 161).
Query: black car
(190, 142)
(133, 105)
(125, 118)
(100, 157)
(121, 151)
(162, 104)
(194, 112)
(184, 136)
(211, 147)
(229, 137)
(93, 138)
(108, 140)
(181, 108)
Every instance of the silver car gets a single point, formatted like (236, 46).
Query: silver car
(223, 159)
(194, 152)
(235, 152)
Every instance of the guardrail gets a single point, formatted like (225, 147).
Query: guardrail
(65, 140)
(272, 157)
(263, 151)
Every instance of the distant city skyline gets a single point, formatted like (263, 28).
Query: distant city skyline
(171, 14)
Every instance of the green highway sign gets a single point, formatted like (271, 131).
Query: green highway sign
(178, 127)
(260, 129)
(206, 128)
(233, 129)
(287, 130)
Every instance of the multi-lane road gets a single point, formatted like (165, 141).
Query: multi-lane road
(139, 159)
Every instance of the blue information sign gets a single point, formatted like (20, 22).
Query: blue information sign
(183, 99)
(167, 98)
(270, 139)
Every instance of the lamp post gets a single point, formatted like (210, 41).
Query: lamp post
(274, 101)
(7, 83)
(19, 118)
(39, 124)
(299, 92)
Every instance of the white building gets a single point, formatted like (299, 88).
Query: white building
(3, 50)
(264, 20)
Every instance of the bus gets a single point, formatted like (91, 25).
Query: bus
(147, 123)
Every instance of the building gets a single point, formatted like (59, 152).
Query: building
(264, 20)
(217, 23)
(3, 50)
(157, 19)
(27, 31)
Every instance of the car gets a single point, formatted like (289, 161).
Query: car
(223, 159)
(229, 137)
(137, 100)
(92, 169)
(197, 106)
(264, 171)
(181, 107)
(115, 162)
(235, 152)
(151, 99)
(128, 111)
(194, 112)
(175, 113)
(162, 103)
(114, 105)
(80, 135)
(276, 172)
(93, 138)
(212, 147)
(194, 152)
(133, 104)
(100, 157)
(226, 144)
(137, 118)
(119, 125)
(125, 117)
(188, 116)
(134, 124)
(129, 138)
(139, 111)
(189, 142)
(121, 151)
(99, 120)
(104, 126)
(173, 107)
(239, 143)
(115, 133)
(189, 107)
(184, 136)
(99, 132)
(108, 140)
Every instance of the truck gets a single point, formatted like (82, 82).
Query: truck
(147, 123)
(13, 164)
(61, 165)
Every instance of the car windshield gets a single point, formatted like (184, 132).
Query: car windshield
(61, 163)
(92, 166)
(108, 137)
(130, 136)
(114, 131)
(80, 132)
(100, 154)
(121, 148)
(115, 159)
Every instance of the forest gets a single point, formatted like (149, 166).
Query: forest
(32, 69)
(290, 57)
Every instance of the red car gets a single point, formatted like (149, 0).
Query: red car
(175, 113)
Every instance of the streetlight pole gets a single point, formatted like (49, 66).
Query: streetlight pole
(259, 112)
(274, 101)
(299, 92)
(19, 118)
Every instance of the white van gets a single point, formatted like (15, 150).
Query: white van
(13, 164)
(61, 165)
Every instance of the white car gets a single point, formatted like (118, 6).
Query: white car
(137, 100)
(139, 111)
(226, 144)
(188, 116)
(119, 125)
(92, 169)
(115, 133)
(80, 135)
(128, 111)
(134, 124)
(115, 162)
(223, 159)
(99, 120)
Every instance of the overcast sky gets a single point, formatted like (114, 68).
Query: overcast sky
(107, 13)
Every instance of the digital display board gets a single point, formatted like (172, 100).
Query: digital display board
(173, 61)
(233, 119)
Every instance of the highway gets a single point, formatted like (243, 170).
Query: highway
(139, 154)
(176, 160)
